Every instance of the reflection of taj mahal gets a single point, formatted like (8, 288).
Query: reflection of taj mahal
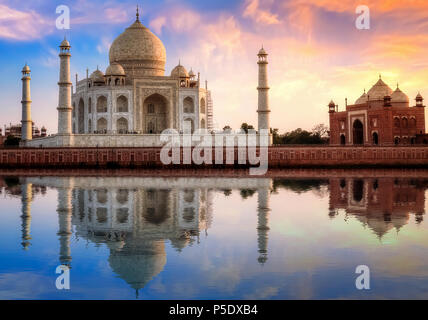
(135, 221)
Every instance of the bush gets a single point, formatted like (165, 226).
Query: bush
(12, 141)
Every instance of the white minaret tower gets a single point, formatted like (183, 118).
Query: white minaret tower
(263, 88)
(64, 105)
(27, 123)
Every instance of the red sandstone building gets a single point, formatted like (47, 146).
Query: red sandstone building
(15, 131)
(379, 117)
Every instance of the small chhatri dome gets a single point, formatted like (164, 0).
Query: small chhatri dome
(115, 69)
(97, 76)
(65, 43)
(137, 47)
(179, 72)
(262, 52)
(419, 97)
(399, 96)
(379, 91)
(191, 73)
(26, 69)
(331, 104)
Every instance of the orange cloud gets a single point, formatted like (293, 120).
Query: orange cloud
(253, 10)
(304, 75)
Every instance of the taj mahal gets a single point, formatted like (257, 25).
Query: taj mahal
(133, 101)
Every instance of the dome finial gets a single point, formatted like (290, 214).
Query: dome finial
(138, 14)
(380, 76)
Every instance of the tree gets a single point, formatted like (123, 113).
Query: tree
(275, 136)
(227, 128)
(298, 136)
(321, 130)
(12, 141)
(245, 126)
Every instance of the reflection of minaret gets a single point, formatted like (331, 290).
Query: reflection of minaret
(26, 198)
(262, 223)
(64, 218)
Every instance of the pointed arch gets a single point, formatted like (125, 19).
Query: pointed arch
(102, 104)
(90, 105)
(188, 105)
(122, 126)
(375, 137)
(102, 125)
(358, 132)
(192, 124)
(342, 139)
(81, 117)
(203, 106)
(122, 104)
(155, 119)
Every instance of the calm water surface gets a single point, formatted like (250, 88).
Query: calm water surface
(213, 238)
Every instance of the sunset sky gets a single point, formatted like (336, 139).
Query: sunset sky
(315, 51)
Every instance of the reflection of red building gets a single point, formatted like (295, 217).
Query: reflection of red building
(379, 203)
(379, 117)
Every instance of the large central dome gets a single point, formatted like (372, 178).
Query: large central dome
(139, 51)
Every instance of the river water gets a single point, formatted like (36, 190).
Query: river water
(296, 237)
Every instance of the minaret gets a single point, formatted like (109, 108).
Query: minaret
(262, 223)
(27, 124)
(26, 198)
(64, 211)
(64, 105)
(263, 88)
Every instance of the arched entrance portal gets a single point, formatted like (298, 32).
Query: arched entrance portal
(155, 114)
(358, 132)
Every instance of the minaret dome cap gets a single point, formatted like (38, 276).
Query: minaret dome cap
(26, 69)
(262, 52)
(65, 44)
